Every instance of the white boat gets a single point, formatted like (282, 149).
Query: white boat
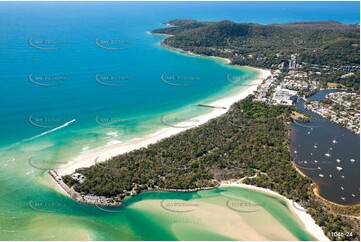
(330, 176)
(308, 132)
(338, 160)
(339, 168)
(321, 175)
(343, 198)
(352, 160)
(315, 146)
(328, 153)
(316, 161)
(353, 195)
(343, 176)
(319, 168)
(342, 188)
(295, 151)
(334, 141)
(311, 153)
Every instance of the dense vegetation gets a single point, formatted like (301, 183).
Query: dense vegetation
(323, 43)
(249, 141)
(251, 138)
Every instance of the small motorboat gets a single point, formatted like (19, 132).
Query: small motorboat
(328, 153)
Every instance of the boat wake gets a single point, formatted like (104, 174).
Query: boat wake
(42, 134)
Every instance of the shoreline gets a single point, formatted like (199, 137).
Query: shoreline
(308, 222)
(107, 152)
(228, 61)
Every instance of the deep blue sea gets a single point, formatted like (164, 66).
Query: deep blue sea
(79, 75)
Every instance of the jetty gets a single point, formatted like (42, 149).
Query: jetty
(209, 106)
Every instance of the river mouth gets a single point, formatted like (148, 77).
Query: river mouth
(328, 154)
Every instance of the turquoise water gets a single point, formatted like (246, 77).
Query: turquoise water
(69, 111)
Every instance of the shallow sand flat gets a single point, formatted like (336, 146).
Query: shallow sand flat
(49, 227)
(30, 147)
(305, 219)
(207, 215)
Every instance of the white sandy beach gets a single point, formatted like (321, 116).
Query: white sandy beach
(104, 153)
(308, 222)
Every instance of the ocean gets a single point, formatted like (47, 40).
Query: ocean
(79, 76)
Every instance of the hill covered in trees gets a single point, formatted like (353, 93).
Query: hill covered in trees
(329, 47)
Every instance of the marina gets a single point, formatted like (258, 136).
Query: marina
(336, 142)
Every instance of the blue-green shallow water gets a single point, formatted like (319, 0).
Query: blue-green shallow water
(136, 107)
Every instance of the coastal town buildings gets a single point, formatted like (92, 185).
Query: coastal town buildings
(340, 107)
